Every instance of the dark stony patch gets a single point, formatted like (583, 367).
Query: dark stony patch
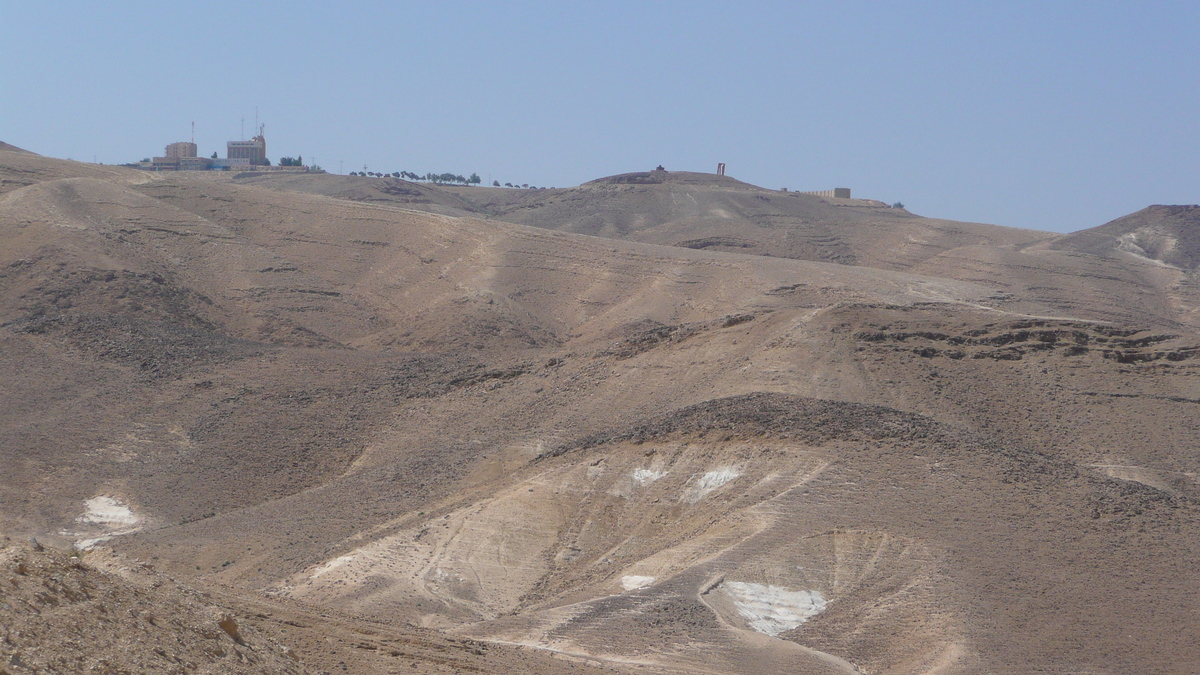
(808, 420)
(158, 349)
(717, 242)
(1014, 340)
(646, 335)
(869, 430)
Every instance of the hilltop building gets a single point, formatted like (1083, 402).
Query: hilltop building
(181, 150)
(245, 155)
(254, 150)
(173, 154)
(835, 193)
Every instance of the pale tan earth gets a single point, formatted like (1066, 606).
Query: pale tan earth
(864, 441)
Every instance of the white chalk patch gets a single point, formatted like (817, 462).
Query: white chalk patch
(634, 582)
(109, 512)
(104, 518)
(644, 477)
(331, 565)
(710, 482)
(773, 609)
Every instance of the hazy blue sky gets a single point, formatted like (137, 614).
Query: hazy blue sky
(1050, 115)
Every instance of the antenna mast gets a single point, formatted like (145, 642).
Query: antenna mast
(193, 132)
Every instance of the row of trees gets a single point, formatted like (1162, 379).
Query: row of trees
(439, 178)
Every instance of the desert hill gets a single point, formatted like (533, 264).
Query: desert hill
(719, 213)
(692, 210)
(468, 433)
(1166, 234)
(100, 612)
(22, 168)
(695, 210)
(393, 191)
(8, 147)
(1152, 255)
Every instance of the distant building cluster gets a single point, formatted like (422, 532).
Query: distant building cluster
(835, 193)
(243, 155)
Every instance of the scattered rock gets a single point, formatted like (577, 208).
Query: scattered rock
(230, 626)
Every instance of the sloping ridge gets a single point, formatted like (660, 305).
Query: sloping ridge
(697, 210)
(381, 190)
(673, 178)
(21, 168)
(645, 541)
(692, 539)
(7, 147)
(1166, 233)
(690, 210)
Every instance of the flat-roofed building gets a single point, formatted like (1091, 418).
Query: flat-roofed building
(181, 150)
(835, 193)
(225, 164)
(194, 163)
(254, 150)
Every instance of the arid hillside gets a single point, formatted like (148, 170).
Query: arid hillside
(100, 612)
(460, 432)
(718, 213)
(692, 210)
(1168, 235)
(391, 191)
